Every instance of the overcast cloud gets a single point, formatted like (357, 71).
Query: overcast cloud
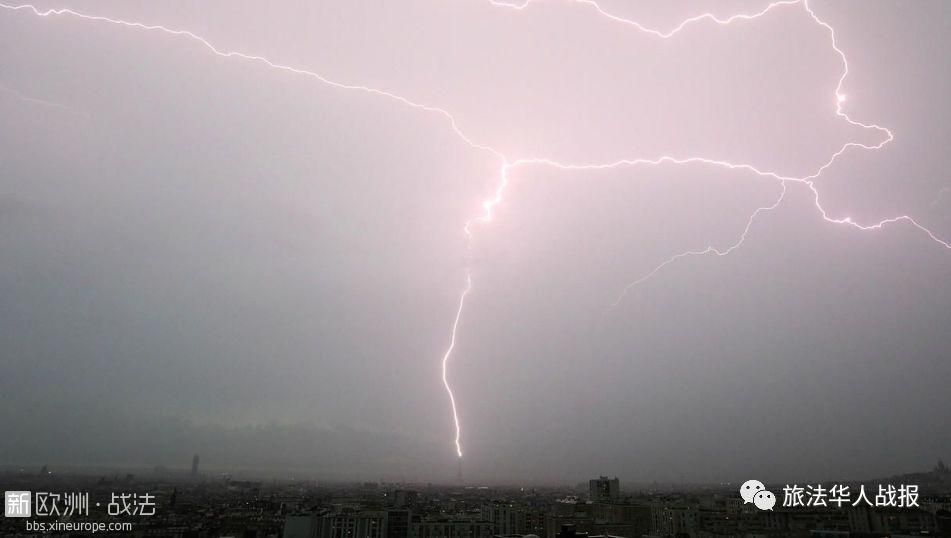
(203, 254)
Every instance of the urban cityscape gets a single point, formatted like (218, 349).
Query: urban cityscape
(195, 504)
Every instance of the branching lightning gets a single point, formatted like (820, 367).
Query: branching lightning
(652, 31)
(507, 164)
(258, 59)
(37, 101)
(708, 250)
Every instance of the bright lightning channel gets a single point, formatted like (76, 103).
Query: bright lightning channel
(507, 164)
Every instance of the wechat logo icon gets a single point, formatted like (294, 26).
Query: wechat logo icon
(753, 491)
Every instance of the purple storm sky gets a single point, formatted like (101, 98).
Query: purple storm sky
(208, 253)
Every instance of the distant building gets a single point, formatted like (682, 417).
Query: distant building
(350, 522)
(398, 524)
(891, 520)
(195, 465)
(673, 520)
(604, 489)
(569, 531)
(405, 498)
(363, 524)
(598, 519)
(301, 526)
(440, 526)
(512, 519)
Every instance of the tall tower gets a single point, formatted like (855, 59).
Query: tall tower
(195, 466)
(459, 472)
(604, 489)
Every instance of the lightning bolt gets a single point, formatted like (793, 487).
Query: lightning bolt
(37, 101)
(652, 31)
(507, 164)
(261, 60)
(708, 250)
(448, 355)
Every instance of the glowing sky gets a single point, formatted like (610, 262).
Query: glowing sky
(214, 239)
